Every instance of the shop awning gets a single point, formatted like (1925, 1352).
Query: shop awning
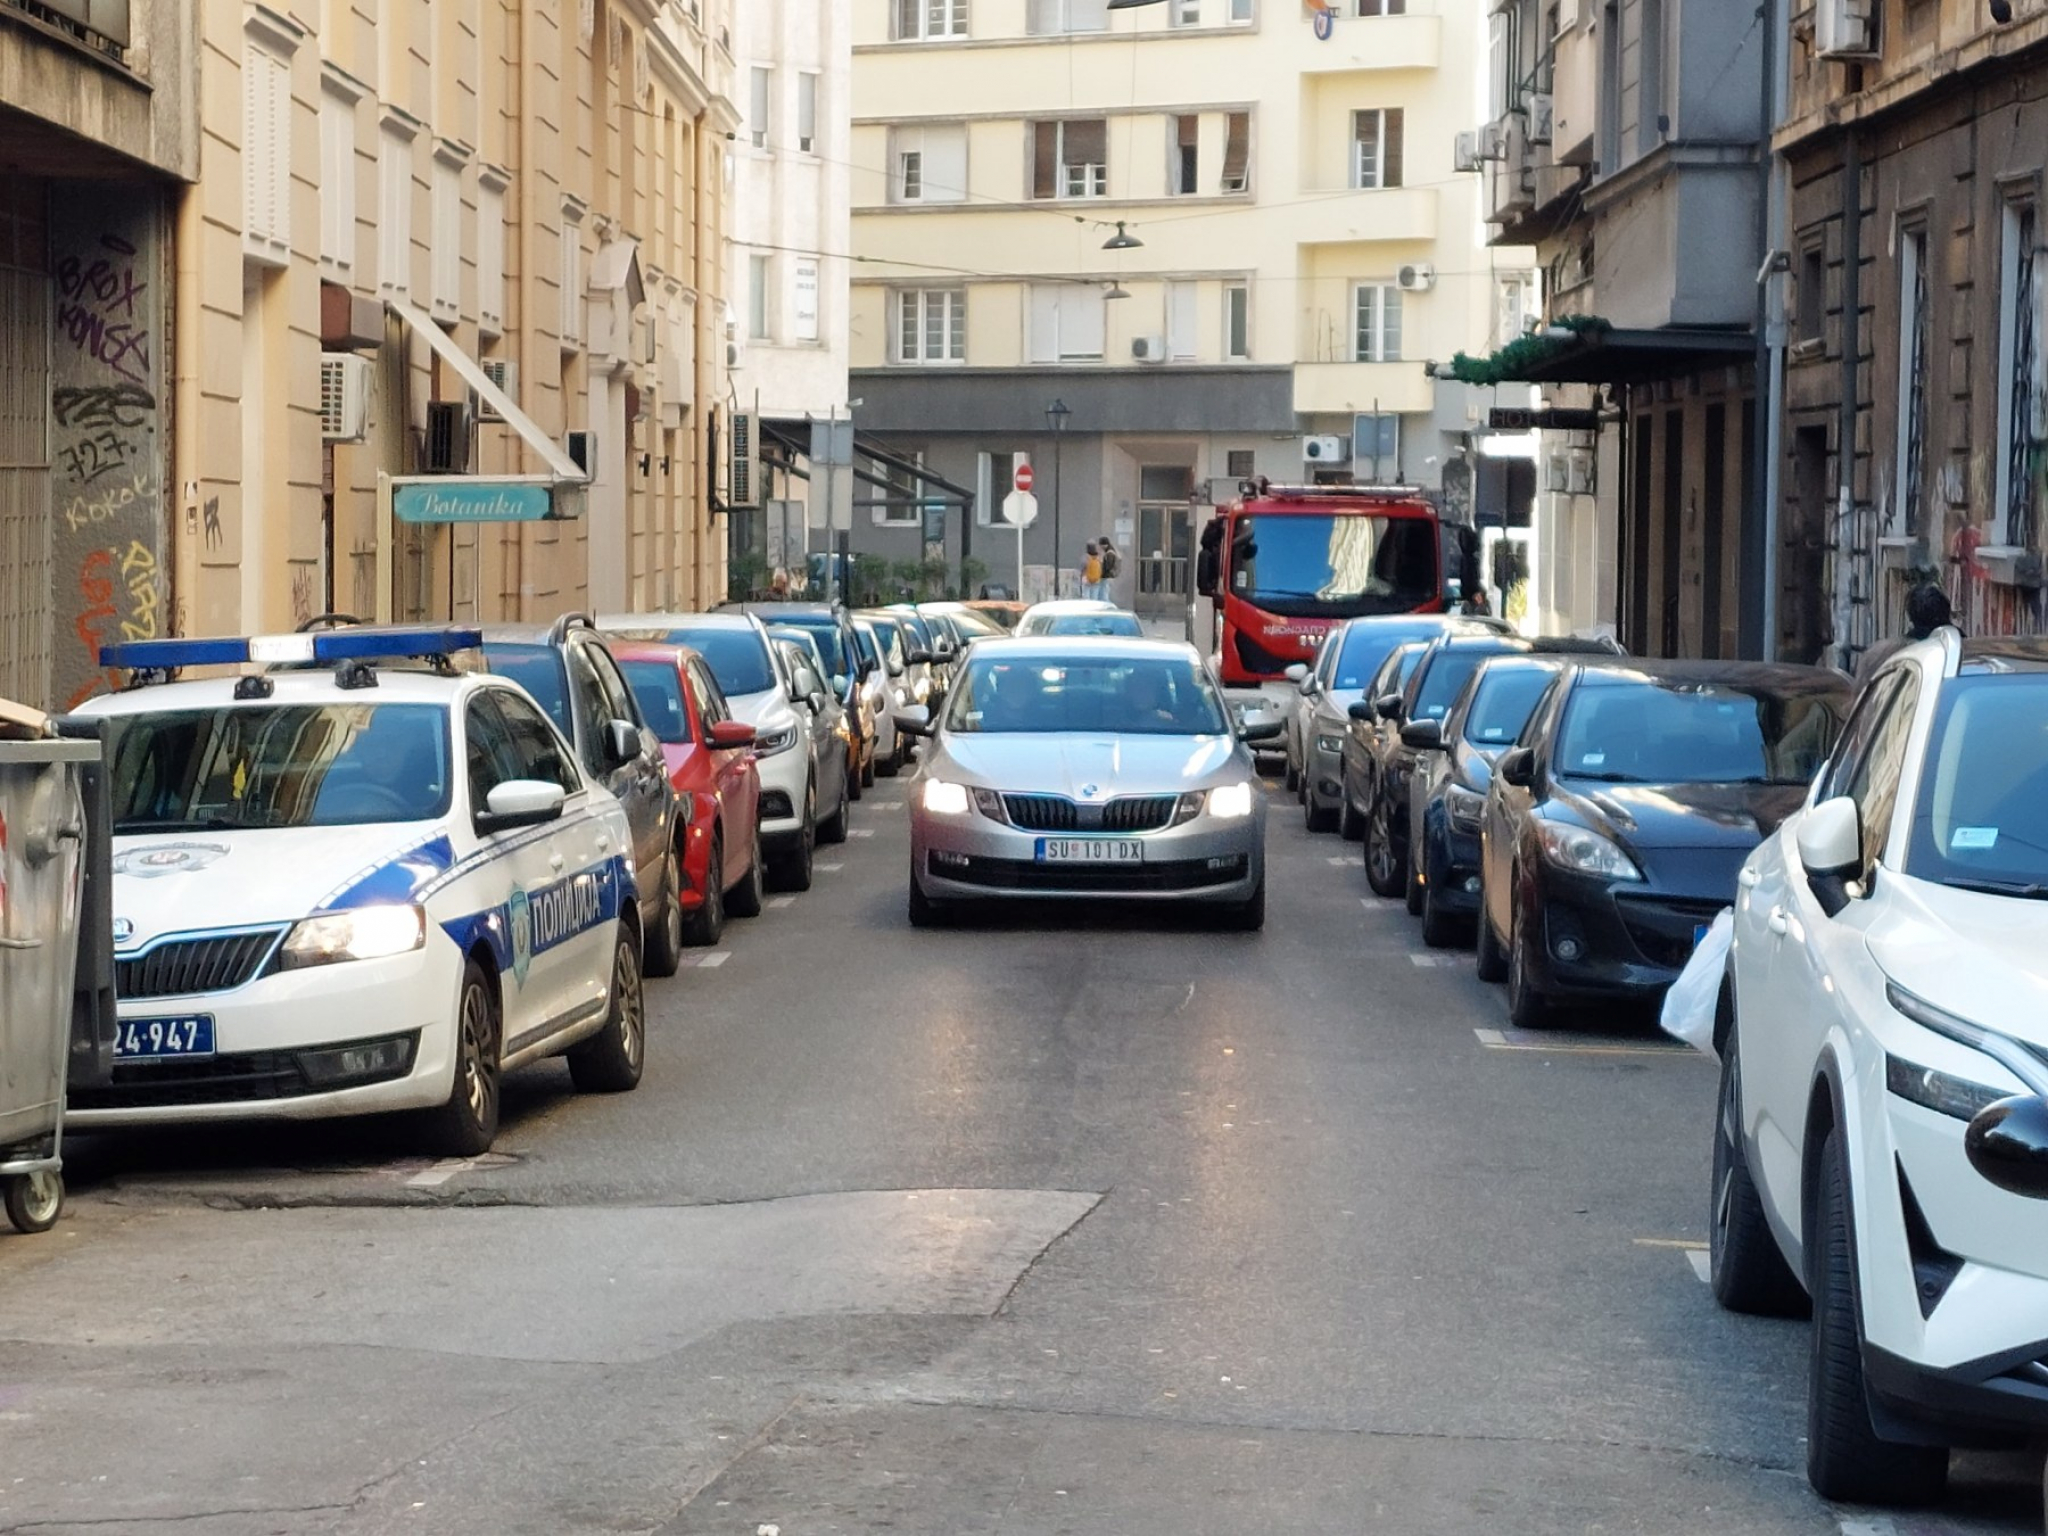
(561, 469)
(1592, 352)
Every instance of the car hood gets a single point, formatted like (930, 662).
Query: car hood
(1974, 955)
(1660, 816)
(766, 711)
(1091, 765)
(1334, 707)
(185, 882)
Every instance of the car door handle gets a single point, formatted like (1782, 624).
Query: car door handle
(603, 842)
(555, 862)
(1778, 922)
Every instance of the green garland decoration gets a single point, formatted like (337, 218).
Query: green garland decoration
(1511, 364)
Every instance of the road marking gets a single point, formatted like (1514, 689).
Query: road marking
(711, 960)
(861, 832)
(779, 902)
(436, 1174)
(1371, 904)
(1702, 1263)
(1685, 1244)
(831, 869)
(888, 805)
(1433, 962)
(1337, 862)
(1532, 1040)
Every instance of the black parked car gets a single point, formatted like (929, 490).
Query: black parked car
(1355, 765)
(1615, 828)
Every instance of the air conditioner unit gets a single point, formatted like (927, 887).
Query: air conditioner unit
(1415, 279)
(1579, 472)
(1567, 16)
(1542, 117)
(1493, 142)
(446, 451)
(1557, 474)
(582, 450)
(743, 475)
(344, 397)
(1149, 349)
(1465, 157)
(504, 373)
(1844, 29)
(1325, 450)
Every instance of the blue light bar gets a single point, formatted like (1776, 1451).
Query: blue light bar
(359, 643)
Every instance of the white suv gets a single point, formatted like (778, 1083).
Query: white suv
(1882, 1141)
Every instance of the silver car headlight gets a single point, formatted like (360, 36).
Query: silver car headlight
(942, 797)
(1231, 802)
(768, 743)
(1584, 852)
(366, 933)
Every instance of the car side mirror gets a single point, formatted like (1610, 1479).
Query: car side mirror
(816, 701)
(622, 741)
(1423, 735)
(520, 803)
(730, 734)
(1260, 728)
(1830, 844)
(920, 658)
(1362, 712)
(2008, 1145)
(914, 721)
(1298, 673)
(1518, 768)
(1388, 707)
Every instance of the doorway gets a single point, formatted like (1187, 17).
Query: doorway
(1166, 523)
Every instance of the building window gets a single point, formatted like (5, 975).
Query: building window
(1376, 313)
(1067, 323)
(1184, 13)
(758, 287)
(1813, 294)
(1237, 152)
(931, 325)
(1241, 11)
(1517, 300)
(337, 184)
(1913, 349)
(928, 164)
(490, 252)
(1184, 157)
(445, 253)
(760, 103)
(571, 319)
(394, 208)
(2019, 381)
(1381, 8)
(1240, 463)
(803, 292)
(1070, 158)
(1237, 322)
(266, 155)
(917, 21)
(1182, 328)
(902, 504)
(807, 113)
(1051, 18)
(1376, 148)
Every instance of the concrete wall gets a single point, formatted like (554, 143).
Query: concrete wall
(140, 103)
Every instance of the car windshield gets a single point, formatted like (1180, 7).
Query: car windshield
(1982, 816)
(1502, 704)
(831, 643)
(865, 636)
(1647, 731)
(537, 669)
(737, 657)
(658, 687)
(1045, 695)
(1347, 566)
(1447, 676)
(918, 628)
(890, 638)
(296, 765)
(1091, 624)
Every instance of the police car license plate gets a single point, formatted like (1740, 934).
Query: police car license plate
(1090, 850)
(189, 1034)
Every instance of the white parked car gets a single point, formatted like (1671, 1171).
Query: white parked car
(1881, 1151)
(1077, 616)
(343, 887)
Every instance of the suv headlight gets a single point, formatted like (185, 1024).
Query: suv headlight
(2023, 1061)
(1231, 802)
(366, 933)
(1584, 852)
(1956, 1097)
(768, 743)
(944, 798)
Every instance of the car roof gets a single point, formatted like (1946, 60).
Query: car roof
(1072, 605)
(650, 650)
(1768, 676)
(1079, 646)
(620, 623)
(785, 613)
(518, 634)
(399, 685)
(2005, 654)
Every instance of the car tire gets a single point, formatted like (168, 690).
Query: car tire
(745, 898)
(867, 772)
(1528, 1005)
(611, 1060)
(1440, 929)
(1385, 869)
(1845, 1459)
(1489, 958)
(1316, 816)
(34, 1200)
(1293, 776)
(833, 831)
(791, 870)
(1350, 825)
(1747, 1271)
(891, 765)
(1414, 893)
(665, 950)
(856, 779)
(1249, 915)
(467, 1124)
(922, 910)
(706, 925)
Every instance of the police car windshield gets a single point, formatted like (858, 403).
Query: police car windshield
(287, 765)
(537, 669)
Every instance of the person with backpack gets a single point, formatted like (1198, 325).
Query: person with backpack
(1112, 564)
(1091, 571)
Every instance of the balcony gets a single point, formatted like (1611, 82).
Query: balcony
(1343, 389)
(1395, 213)
(1376, 44)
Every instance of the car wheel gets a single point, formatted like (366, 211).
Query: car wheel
(1440, 929)
(744, 900)
(1490, 959)
(665, 953)
(867, 772)
(610, 1061)
(1747, 1270)
(1415, 887)
(1845, 1459)
(834, 830)
(467, 1124)
(1249, 915)
(792, 867)
(1383, 861)
(1350, 825)
(34, 1200)
(1293, 776)
(707, 924)
(923, 911)
(1316, 816)
(1528, 1006)
(856, 778)
(892, 765)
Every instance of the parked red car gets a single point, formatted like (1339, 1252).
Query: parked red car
(711, 763)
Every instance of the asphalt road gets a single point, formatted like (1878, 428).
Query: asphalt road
(1067, 1222)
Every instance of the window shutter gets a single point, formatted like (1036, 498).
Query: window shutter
(1083, 314)
(945, 163)
(1045, 156)
(1045, 324)
(1390, 150)
(1181, 324)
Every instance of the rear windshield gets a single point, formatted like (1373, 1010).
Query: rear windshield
(1646, 732)
(658, 687)
(1092, 624)
(737, 657)
(300, 765)
(831, 643)
(1046, 696)
(1365, 650)
(1982, 816)
(1502, 705)
(1446, 679)
(537, 669)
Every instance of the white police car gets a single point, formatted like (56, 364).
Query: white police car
(342, 888)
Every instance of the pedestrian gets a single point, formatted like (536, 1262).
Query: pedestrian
(1091, 571)
(1927, 610)
(1112, 566)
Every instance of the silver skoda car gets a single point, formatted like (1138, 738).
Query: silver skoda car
(1081, 767)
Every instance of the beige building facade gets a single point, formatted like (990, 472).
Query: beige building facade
(1223, 234)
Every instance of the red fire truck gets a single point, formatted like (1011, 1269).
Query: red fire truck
(1285, 564)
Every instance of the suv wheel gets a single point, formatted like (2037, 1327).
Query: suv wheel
(1350, 825)
(922, 910)
(744, 900)
(1845, 1459)
(611, 1060)
(1491, 961)
(1528, 1005)
(1316, 816)
(834, 830)
(1440, 929)
(665, 952)
(1748, 1272)
(792, 868)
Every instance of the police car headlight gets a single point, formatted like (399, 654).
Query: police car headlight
(1230, 802)
(367, 933)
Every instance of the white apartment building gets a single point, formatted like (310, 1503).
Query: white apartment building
(1157, 249)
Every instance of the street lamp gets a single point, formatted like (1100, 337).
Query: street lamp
(1056, 416)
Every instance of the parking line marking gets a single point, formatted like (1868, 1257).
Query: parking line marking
(779, 902)
(831, 869)
(1497, 1040)
(1686, 1244)
(1369, 903)
(713, 960)
(860, 832)
(1702, 1263)
(1338, 861)
(1432, 962)
(437, 1174)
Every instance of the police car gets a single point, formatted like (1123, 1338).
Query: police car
(355, 880)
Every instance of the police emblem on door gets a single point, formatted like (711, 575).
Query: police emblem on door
(521, 911)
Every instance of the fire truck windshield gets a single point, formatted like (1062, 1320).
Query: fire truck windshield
(1336, 565)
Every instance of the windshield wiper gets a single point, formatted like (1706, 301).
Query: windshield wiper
(1606, 778)
(182, 824)
(2025, 890)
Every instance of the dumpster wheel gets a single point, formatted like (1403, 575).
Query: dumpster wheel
(35, 1201)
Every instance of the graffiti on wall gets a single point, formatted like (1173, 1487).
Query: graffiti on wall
(107, 441)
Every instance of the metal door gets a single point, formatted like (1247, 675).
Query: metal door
(25, 570)
(1165, 544)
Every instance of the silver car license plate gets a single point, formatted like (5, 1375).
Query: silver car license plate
(1090, 850)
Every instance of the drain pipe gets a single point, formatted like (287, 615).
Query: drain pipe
(1763, 537)
(1852, 346)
